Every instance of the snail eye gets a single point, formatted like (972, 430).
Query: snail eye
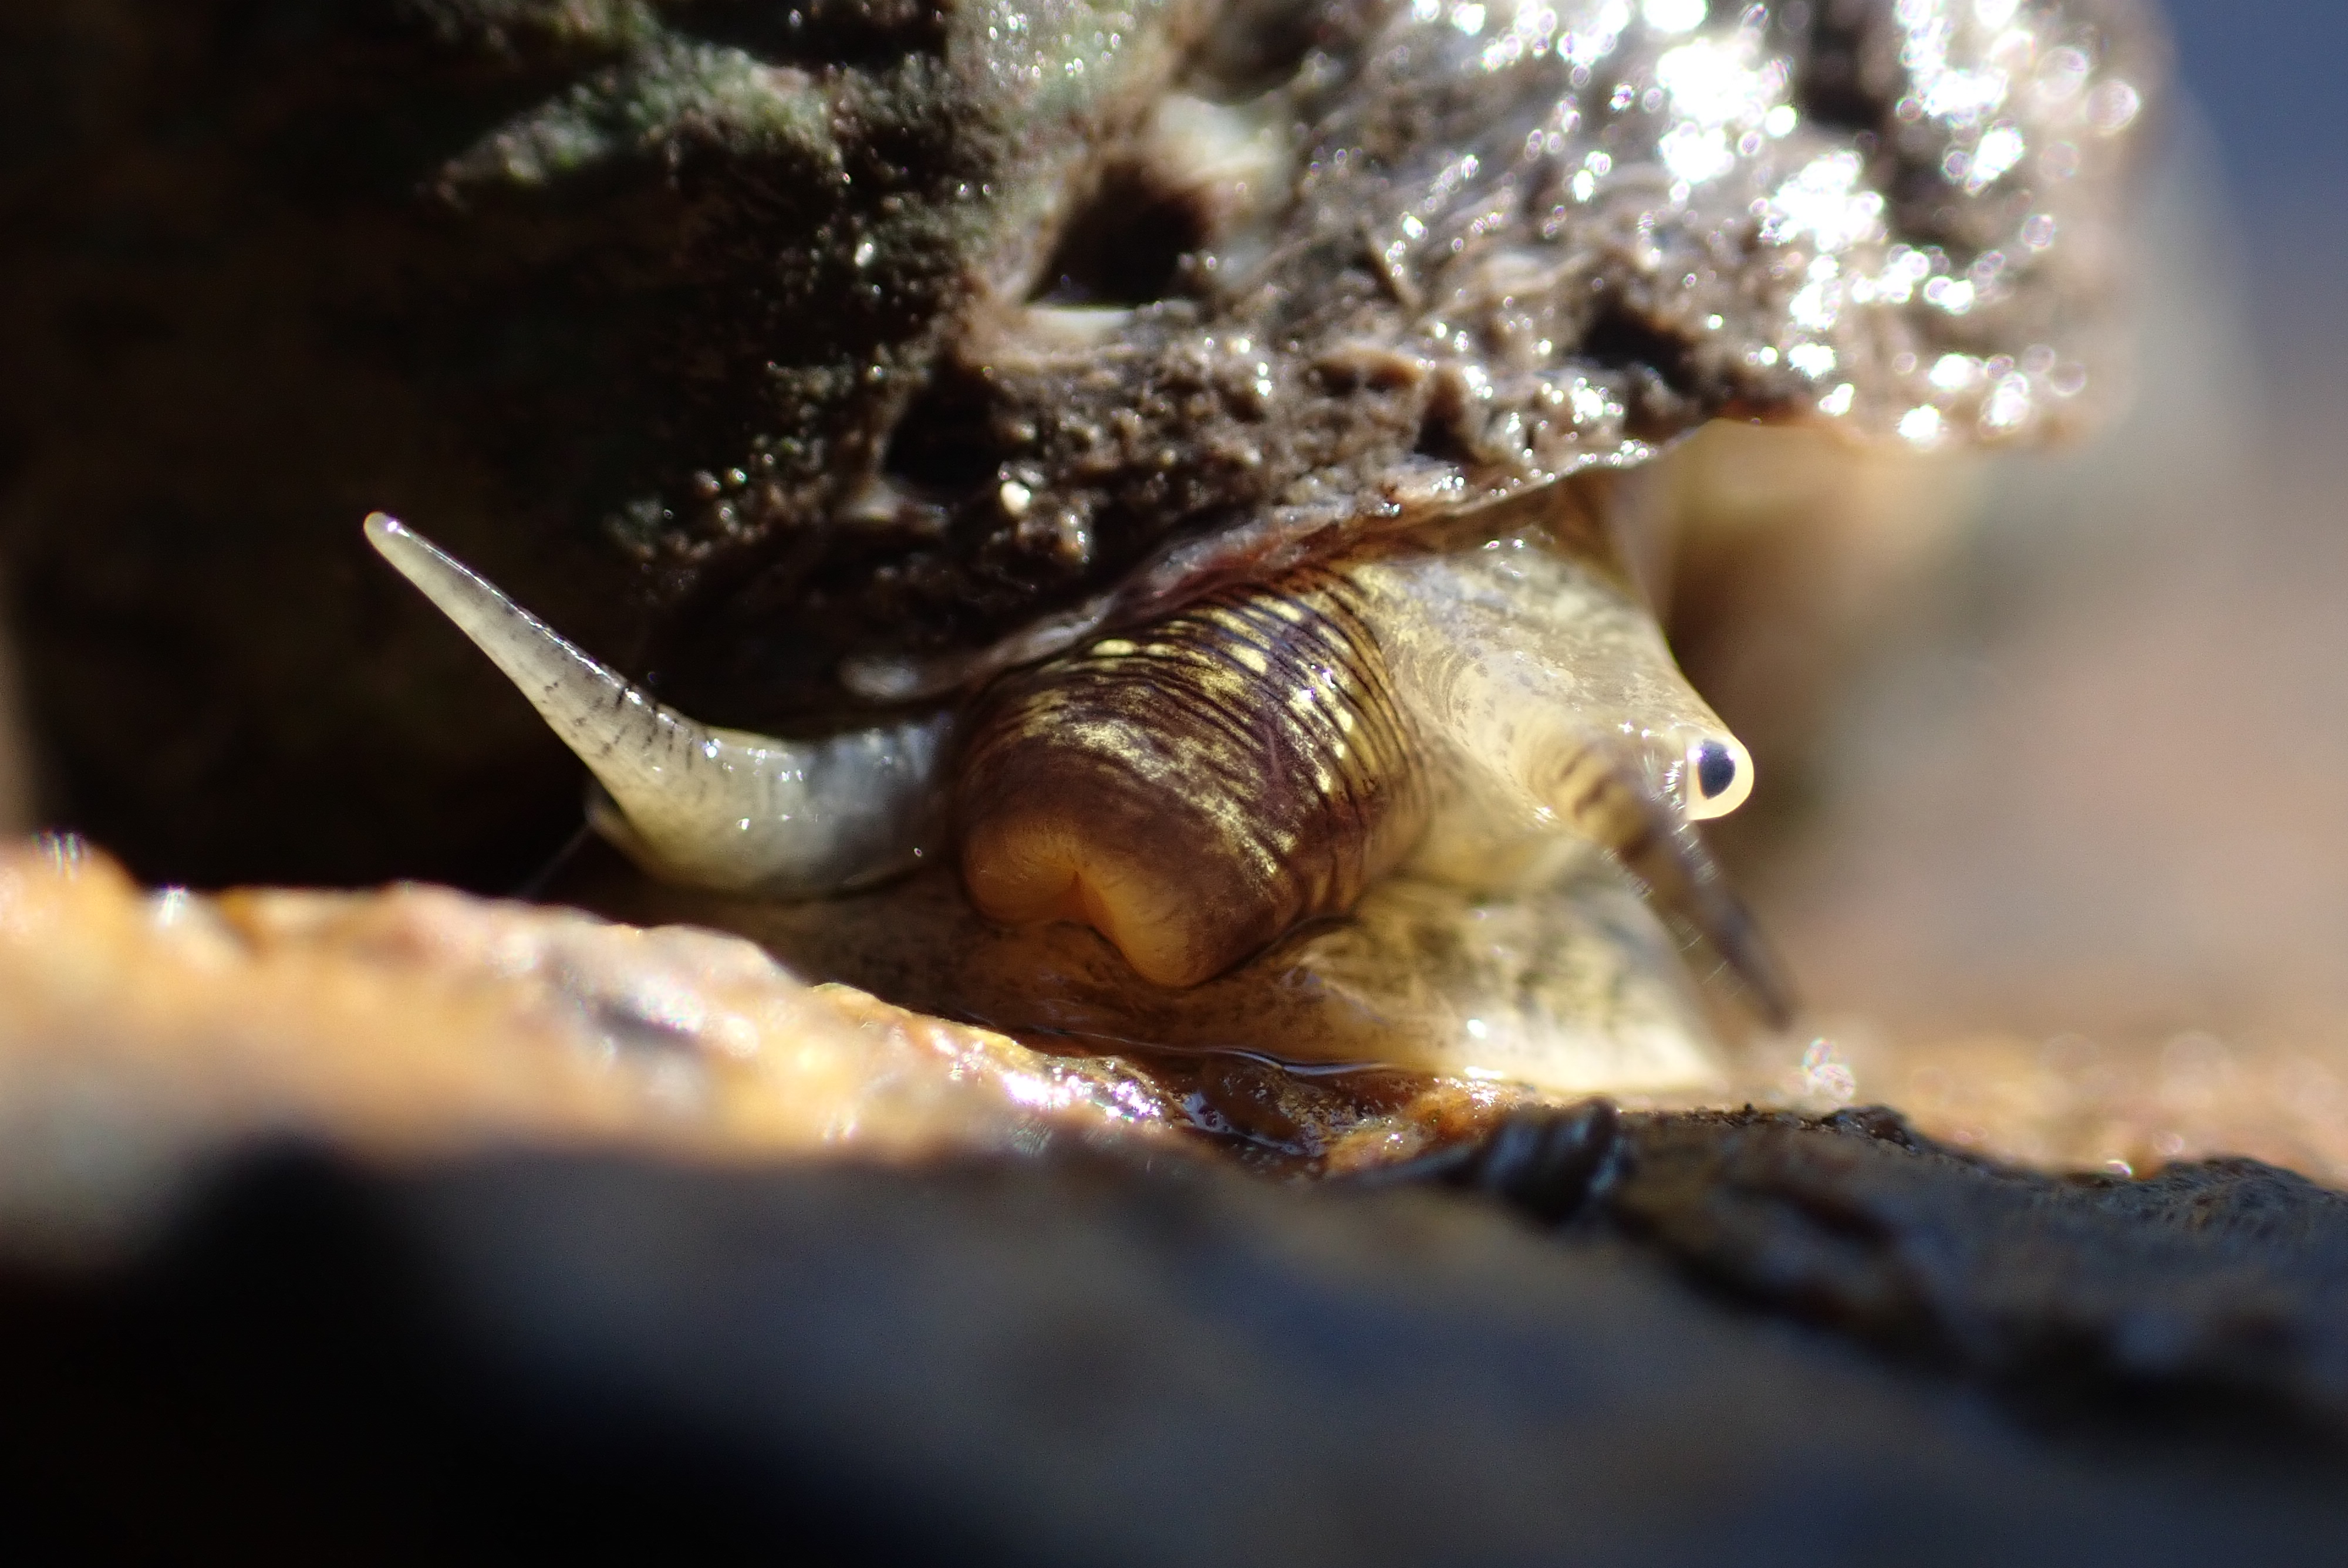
(1719, 775)
(1715, 769)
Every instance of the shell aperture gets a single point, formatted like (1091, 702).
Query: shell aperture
(688, 802)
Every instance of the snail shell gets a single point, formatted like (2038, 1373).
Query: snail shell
(1145, 787)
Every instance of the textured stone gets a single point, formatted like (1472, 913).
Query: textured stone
(579, 1233)
(139, 1034)
(1035, 1362)
(706, 327)
(2219, 1277)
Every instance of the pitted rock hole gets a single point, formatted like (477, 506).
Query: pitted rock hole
(946, 444)
(1125, 245)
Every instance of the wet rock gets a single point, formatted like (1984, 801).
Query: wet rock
(719, 331)
(1033, 1361)
(139, 1034)
(429, 1226)
(2221, 1278)
(2211, 1283)
(530, 269)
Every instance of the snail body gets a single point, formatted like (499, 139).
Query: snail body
(1489, 718)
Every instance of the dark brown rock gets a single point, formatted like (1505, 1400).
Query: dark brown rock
(703, 327)
(1030, 1362)
(2217, 1278)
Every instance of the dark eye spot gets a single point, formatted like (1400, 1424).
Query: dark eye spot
(1715, 769)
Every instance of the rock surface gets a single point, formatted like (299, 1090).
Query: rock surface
(2224, 1279)
(1029, 1318)
(643, 307)
(139, 1034)
(1043, 1362)
(434, 1229)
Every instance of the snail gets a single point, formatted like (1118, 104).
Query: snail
(1228, 628)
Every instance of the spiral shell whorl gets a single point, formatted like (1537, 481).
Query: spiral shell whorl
(1197, 788)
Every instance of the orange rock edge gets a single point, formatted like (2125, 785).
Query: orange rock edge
(138, 1030)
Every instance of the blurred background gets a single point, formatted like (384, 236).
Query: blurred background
(2077, 882)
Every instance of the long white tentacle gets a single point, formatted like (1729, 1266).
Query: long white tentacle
(691, 804)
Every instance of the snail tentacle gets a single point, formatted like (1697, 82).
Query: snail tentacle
(689, 803)
(1602, 794)
(1516, 656)
(1555, 716)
